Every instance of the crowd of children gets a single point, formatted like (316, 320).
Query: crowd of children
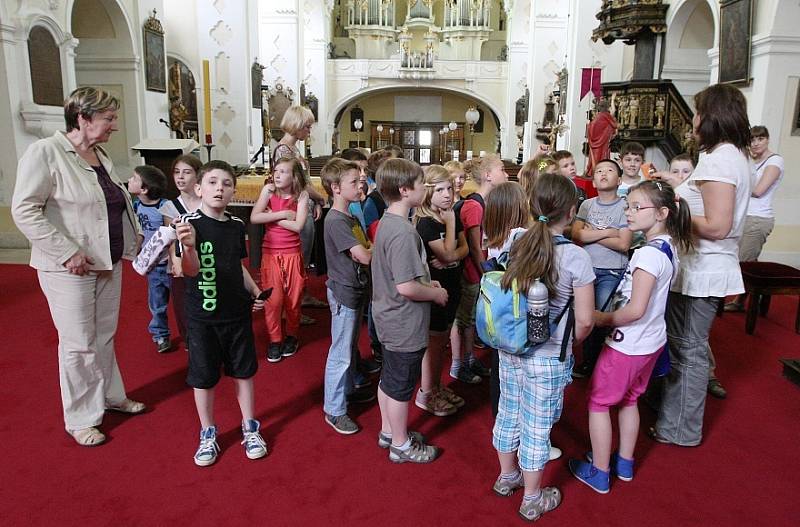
(404, 250)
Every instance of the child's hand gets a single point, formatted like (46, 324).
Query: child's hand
(258, 305)
(269, 188)
(317, 211)
(440, 297)
(289, 215)
(436, 264)
(186, 234)
(448, 216)
(435, 283)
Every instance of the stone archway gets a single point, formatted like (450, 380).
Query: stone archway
(107, 57)
(494, 122)
(691, 33)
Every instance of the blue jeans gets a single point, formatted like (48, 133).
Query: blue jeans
(605, 283)
(157, 301)
(341, 364)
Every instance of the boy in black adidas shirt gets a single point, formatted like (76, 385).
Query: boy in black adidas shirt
(219, 299)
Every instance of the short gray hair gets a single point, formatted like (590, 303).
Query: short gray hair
(87, 101)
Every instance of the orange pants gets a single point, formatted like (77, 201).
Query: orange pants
(285, 274)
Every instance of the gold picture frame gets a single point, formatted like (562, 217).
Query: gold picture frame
(155, 62)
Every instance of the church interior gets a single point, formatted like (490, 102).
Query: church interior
(443, 80)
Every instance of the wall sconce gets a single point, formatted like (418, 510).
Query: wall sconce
(359, 124)
(472, 115)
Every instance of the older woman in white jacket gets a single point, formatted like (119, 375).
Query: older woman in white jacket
(79, 219)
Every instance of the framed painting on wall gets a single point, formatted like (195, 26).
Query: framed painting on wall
(735, 32)
(155, 67)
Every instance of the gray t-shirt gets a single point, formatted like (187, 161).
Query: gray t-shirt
(347, 279)
(602, 216)
(574, 270)
(398, 257)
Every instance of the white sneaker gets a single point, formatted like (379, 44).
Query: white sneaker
(555, 453)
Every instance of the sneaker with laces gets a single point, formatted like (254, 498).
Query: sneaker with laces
(477, 367)
(418, 452)
(163, 345)
(385, 441)
(466, 375)
(506, 486)
(451, 397)
(208, 450)
(254, 445)
(342, 424)
(532, 510)
(274, 352)
(621, 467)
(590, 475)
(434, 403)
(716, 390)
(289, 346)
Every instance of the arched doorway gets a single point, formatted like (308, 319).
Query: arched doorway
(417, 115)
(106, 58)
(691, 33)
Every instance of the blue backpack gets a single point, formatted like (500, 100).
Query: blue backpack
(501, 315)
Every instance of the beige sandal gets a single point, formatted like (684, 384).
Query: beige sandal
(88, 436)
(129, 406)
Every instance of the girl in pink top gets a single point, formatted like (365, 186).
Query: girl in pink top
(282, 267)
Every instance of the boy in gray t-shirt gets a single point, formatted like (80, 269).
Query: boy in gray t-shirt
(401, 294)
(602, 228)
(348, 255)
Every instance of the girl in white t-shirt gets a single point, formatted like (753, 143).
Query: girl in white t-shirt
(639, 330)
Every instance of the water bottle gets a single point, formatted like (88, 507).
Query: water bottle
(538, 313)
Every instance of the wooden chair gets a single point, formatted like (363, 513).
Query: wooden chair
(761, 281)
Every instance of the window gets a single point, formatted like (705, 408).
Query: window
(45, 61)
(425, 137)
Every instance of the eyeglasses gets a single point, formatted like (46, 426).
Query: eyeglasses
(637, 207)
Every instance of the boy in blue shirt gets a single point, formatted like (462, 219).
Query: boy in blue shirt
(149, 184)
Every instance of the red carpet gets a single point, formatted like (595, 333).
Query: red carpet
(747, 472)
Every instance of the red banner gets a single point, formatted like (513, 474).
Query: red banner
(590, 82)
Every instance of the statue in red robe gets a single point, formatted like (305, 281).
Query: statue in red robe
(602, 130)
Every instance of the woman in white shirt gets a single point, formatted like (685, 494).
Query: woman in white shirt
(717, 193)
(767, 170)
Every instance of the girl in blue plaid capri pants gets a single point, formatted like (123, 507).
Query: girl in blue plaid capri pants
(532, 385)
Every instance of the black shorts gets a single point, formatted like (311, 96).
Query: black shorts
(213, 345)
(442, 317)
(400, 373)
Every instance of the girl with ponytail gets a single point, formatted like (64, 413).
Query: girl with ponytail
(639, 332)
(532, 385)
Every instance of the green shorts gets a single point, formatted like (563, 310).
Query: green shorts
(465, 315)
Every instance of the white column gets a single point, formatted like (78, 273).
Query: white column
(223, 41)
(316, 33)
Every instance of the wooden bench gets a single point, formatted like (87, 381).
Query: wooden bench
(761, 281)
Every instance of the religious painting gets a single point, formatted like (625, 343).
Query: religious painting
(736, 17)
(155, 67)
(182, 99)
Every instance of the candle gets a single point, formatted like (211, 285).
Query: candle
(207, 102)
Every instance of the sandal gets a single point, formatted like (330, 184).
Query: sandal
(88, 436)
(652, 433)
(128, 406)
